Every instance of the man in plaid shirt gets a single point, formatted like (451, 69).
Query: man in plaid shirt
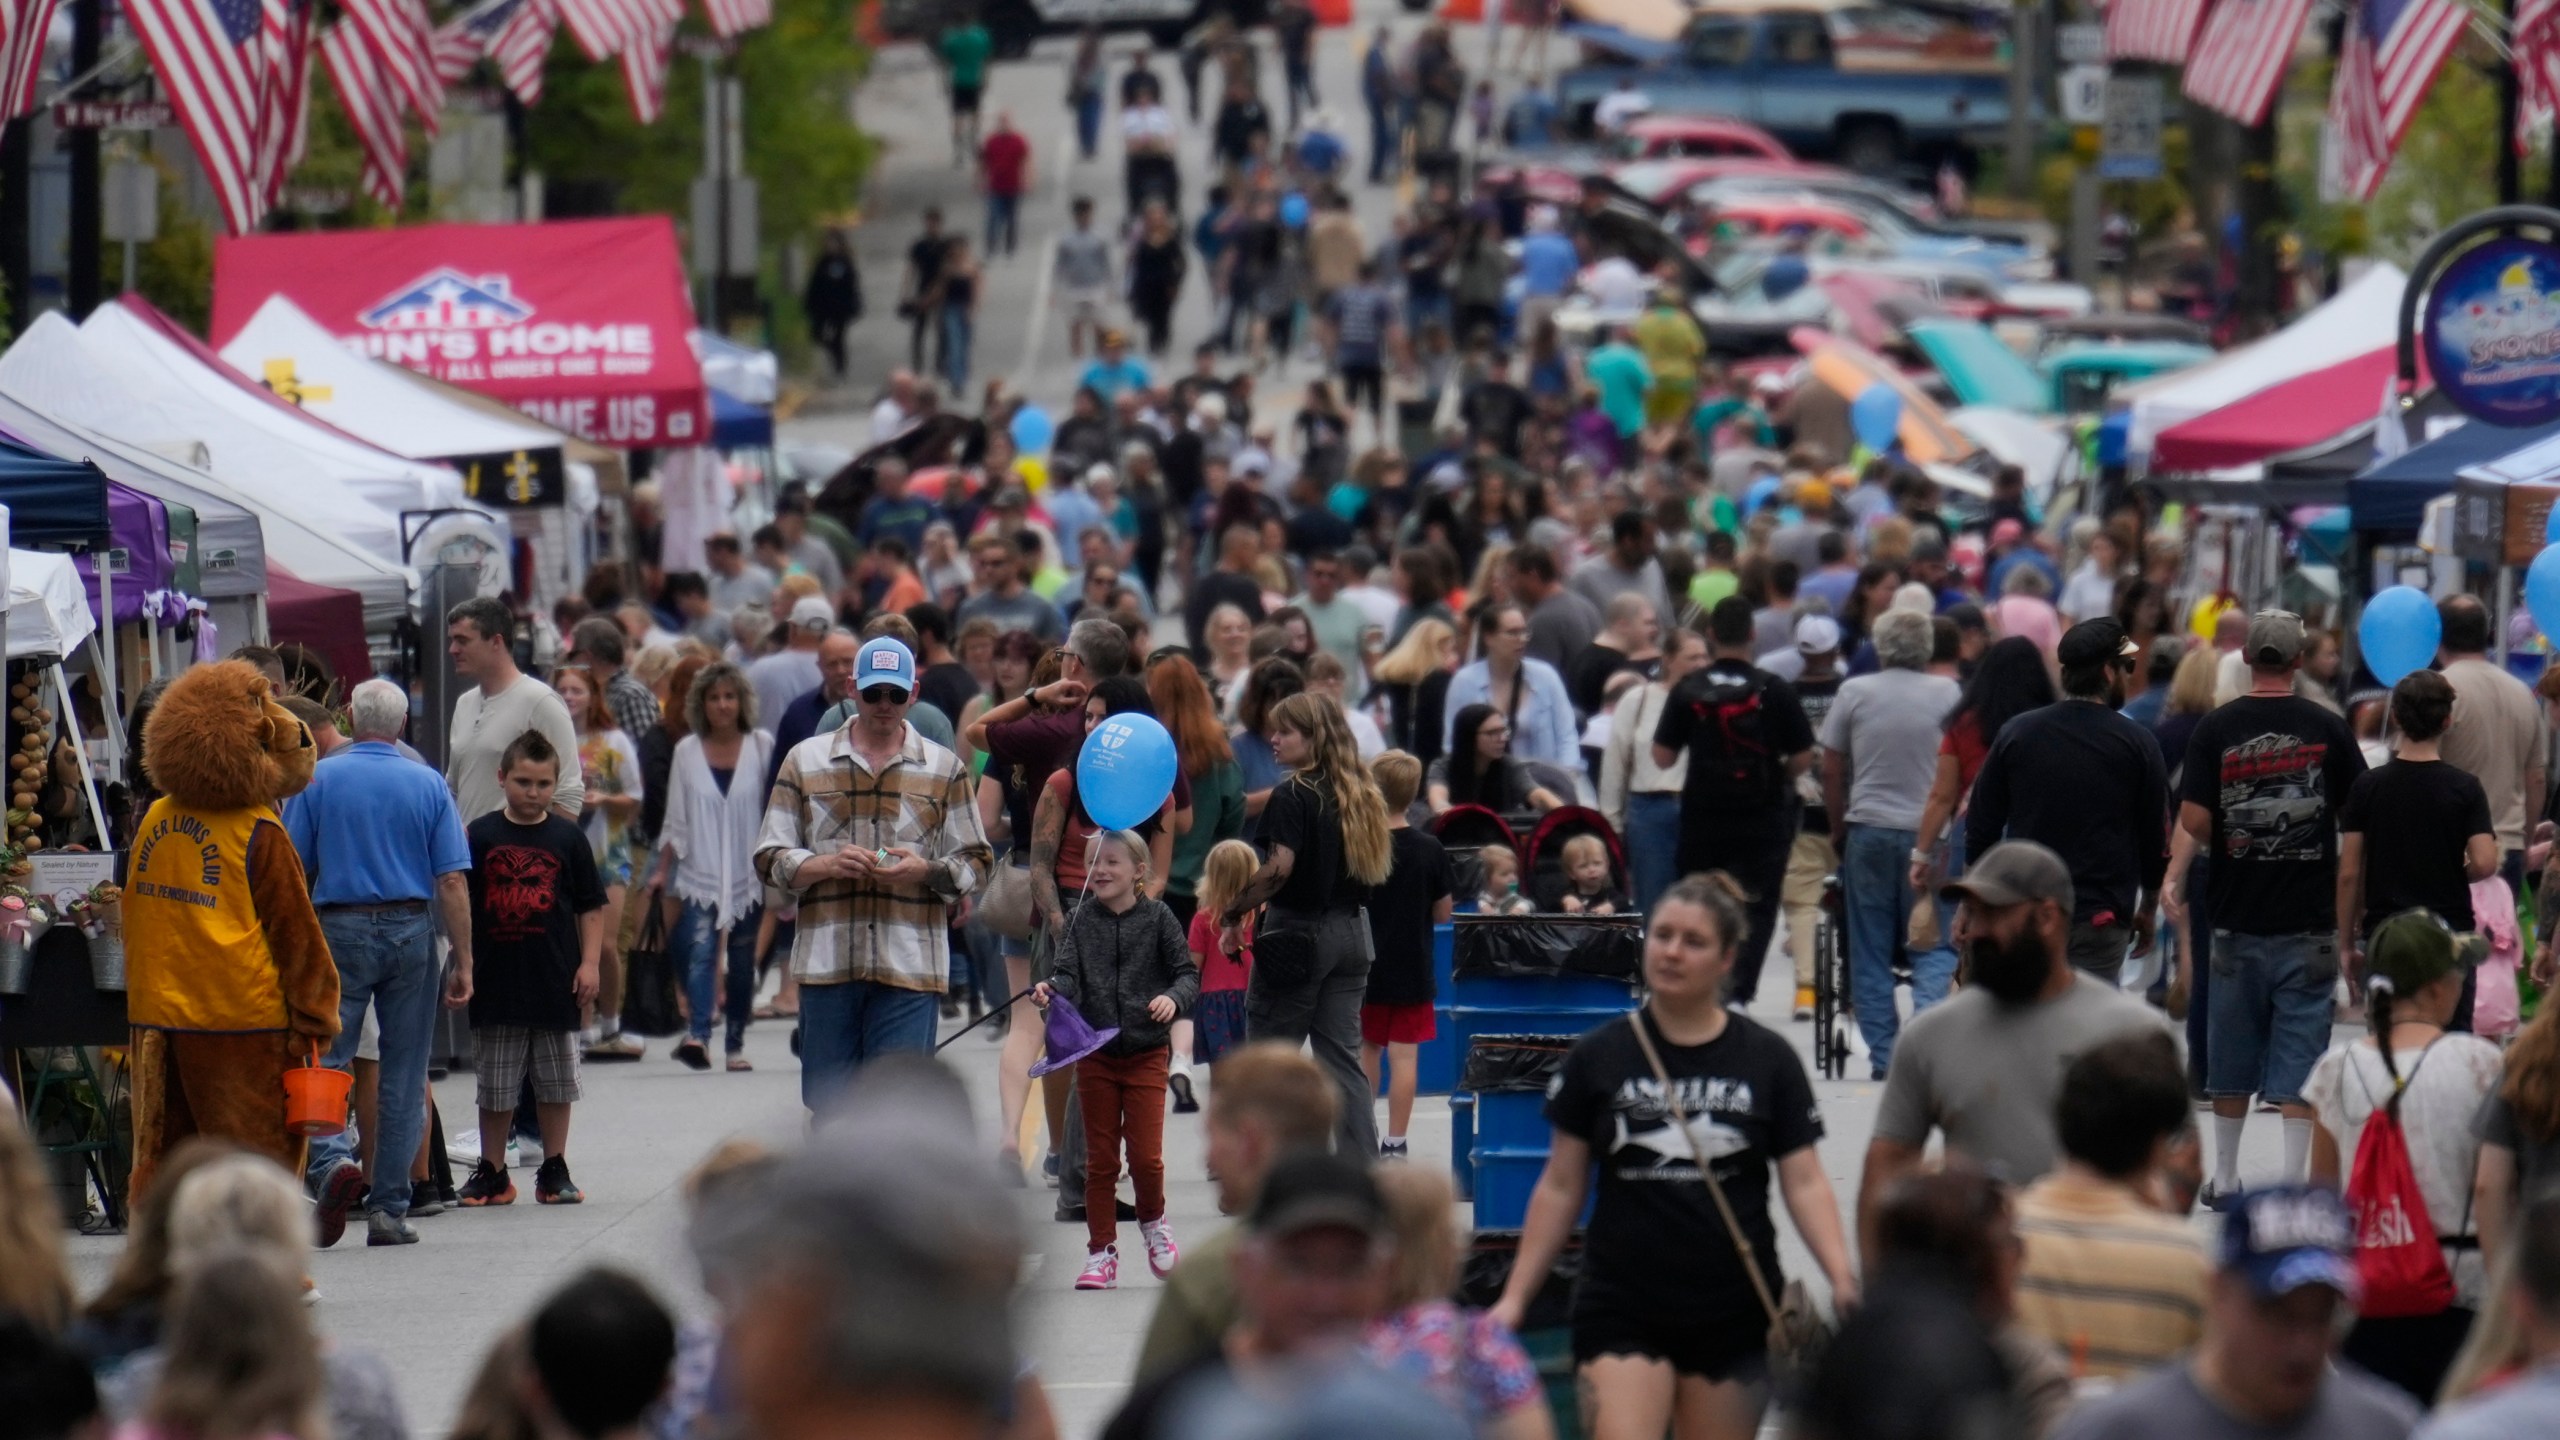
(874, 829)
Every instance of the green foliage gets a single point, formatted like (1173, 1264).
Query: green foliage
(2447, 166)
(175, 270)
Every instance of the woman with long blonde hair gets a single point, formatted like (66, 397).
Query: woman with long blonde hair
(1411, 683)
(1325, 840)
(238, 1361)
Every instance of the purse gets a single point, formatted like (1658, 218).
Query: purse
(1798, 1331)
(1283, 959)
(1006, 907)
(649, 1004)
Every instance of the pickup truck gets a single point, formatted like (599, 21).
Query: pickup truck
(1820, 86)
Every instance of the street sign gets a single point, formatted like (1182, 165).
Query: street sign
(2083, 44)
(2082, 94)
(113, 115)
(2129, 138)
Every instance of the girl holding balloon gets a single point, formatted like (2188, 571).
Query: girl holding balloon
(1064, 832)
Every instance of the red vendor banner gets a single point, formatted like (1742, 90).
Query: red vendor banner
(581, 324)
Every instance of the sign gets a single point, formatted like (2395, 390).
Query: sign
(2491, 332)
(113, 115)
(2080, 44)
(2129, 138)
(518, 480)
(2082, 94)
(2500, 524)
(582, 324)
(60, 871)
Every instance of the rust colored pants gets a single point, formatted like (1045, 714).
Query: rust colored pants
(1123, 1099)
(230, 1087)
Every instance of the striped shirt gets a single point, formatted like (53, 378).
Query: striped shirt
(828, 798)
(2114, 1284)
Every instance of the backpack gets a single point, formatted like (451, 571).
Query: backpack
(1731, 761)
(2398, 1257)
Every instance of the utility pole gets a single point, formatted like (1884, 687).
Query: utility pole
(17, 151)
(2510, 177)
(88, 197)
(2258, 199)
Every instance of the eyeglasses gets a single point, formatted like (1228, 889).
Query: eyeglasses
(882, 695)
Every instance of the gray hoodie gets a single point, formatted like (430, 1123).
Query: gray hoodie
(1110, 966)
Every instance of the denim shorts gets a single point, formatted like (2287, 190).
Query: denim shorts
(2270, 1013)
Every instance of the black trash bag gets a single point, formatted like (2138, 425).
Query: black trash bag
(1513, 1062)
(1498, 946)
(1487, 1269)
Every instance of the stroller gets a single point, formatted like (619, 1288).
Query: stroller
(1465, 831)
(1543, 857)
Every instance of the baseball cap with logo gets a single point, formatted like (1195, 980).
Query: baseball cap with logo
(2285, 1237)
(2013, 872)
(812, 613)
(2275, 637)
(884, 661)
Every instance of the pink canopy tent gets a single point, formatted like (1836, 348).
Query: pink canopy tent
(328, 620)
(2289, 415)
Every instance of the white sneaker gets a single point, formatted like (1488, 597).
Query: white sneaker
(1101, 1270)
(1162, 1253)
(462, 1147)
(523, 1154)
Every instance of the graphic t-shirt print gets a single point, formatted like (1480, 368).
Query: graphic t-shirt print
(1645, 1140)
(2274, 804)
(522, 891)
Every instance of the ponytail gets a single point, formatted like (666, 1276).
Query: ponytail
(2379, 992)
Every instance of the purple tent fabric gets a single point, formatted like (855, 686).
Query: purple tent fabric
(138, 525)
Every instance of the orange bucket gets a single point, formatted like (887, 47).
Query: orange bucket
(315, 1097)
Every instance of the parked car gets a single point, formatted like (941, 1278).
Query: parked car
(1670, 137)
(1875, 95)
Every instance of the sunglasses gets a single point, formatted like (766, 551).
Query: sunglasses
(882, 695)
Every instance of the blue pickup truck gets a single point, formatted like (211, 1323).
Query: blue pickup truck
(1874, 95)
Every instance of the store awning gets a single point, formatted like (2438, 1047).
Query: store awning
(582, 324)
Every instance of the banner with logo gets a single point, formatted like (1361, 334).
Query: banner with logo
(2491, 331)
(581, 324)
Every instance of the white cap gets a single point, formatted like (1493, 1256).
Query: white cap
(811, 613)
(1817, 634)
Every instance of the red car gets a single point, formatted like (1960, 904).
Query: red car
(1708, 137)
(1751, 215)
(1661, 182)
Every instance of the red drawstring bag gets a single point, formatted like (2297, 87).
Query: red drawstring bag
(2398, 1257)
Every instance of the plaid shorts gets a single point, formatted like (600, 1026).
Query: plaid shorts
(504, 1054)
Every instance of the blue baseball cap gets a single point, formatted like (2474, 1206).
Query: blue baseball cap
(2285, 1237)
(884, 662)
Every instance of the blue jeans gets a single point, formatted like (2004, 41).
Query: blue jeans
(1875, 879)
(955, 346)
(1001, 213)
(1088, 122)
(2270, 1019)
(387, 960)
(1385, 139)
(697, 947)
(853, 1021)
(1653, 844)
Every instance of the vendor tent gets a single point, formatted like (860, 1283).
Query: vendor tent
(139, 562)
(583, 324)
(2359, 319)
(229, 551)
(2285, 416)
(2391, 496)
(52, 501)
(329, 620)
(48, 616)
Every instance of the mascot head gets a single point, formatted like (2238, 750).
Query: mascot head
(219, 741)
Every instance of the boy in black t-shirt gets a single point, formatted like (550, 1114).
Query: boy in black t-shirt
(537, 938)
(2416, 830)
(1395, 1015)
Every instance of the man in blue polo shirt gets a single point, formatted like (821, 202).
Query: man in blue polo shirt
(380, 839)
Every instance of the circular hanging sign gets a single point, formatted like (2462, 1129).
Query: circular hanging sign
(2492, 332)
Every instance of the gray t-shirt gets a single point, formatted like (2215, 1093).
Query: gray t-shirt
(1887, 724)
(2167, 1404)
(780, 678)
(1025, 611)
(2529, 1409)
(1987, 1074)
(485, 725)
(1562, 627)
(1084, 261)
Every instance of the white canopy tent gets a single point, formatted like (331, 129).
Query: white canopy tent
(48, 608)
(2358, 320)
(369, 399)
(139, 387)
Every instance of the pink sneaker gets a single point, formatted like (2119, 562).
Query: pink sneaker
(1161, 1251)
(1101, 1270)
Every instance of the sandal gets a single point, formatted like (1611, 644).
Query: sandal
(772, 1012)
(739, 1062)
(692, 1055)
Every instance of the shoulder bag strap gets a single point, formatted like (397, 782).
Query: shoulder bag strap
(1706, 1168)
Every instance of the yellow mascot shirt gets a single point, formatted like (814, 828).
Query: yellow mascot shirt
(195, 956)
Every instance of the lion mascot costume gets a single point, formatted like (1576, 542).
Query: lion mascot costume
(228, 977)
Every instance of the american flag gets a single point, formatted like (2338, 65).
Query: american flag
(2161, 30)
(373, 110)
(460, 42)
(521, 45)
(210, 59)
(604, 27)
(733, 18)
(22, 33)
(2394, 49)
(2534, 41)
(284, 119)
(401, 40)
(644, 70)
(2242, 54)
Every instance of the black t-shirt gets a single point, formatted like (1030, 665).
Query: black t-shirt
(1400, 918)
(529, 885)
(947, 687)
(1687, 724)
(2088, 784)
(1495, 410)
(2416, 818)
(1588, 685)
(1303, 817)
(1237, 123)
(2273, 771)
(1656, 1242)
(926, 255)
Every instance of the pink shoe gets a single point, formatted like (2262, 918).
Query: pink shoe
(1101, 1270)
(1161, 1251)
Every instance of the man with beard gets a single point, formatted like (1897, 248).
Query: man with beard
(2089, 783)
(1984, 1067)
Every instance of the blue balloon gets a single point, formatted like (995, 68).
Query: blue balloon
(2400, 630)
(1125, 770)
(1762, 491)
(1876, 416)
(2551, 527)
(1032, 430)
(1293, 210)
(2542, 590)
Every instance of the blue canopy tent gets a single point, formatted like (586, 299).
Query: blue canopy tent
(739, 425)
(2392, 497)
(54, 503)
